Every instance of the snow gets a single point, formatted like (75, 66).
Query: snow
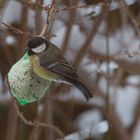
(127, 99)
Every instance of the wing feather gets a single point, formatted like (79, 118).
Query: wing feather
(52, 59)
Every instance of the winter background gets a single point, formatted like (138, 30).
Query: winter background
(109, 66)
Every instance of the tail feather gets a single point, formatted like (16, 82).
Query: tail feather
(82, 88)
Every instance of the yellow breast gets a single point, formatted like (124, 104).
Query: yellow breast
(40, 70)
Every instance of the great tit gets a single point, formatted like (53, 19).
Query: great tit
(48, 62)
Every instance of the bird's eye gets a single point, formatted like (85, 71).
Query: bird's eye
(39, 49)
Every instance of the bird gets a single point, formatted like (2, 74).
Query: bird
(48, 62)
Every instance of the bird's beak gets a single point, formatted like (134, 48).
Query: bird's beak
(26, 49)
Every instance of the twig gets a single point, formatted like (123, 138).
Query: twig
(107, 69)
(39, 6)
(50, 12)
(32, 5)
(74, 7)
(69, 27)
(24, 26)
(131, 17)
(38, 20)
(30, 123)
(91, 35)
(80, 135)
(78, 6)
(16, 30)
(116, 124)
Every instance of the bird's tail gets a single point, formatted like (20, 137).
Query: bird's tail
(81, 87)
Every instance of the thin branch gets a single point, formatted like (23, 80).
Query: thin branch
(69, 27)
(50, 12)
(30, 123)
(131, 17)
(38, 6)
(16, 30)
(75, 7)
(91, 35)
(116, 124)
(24, 26)
(32, 5)
(38, 20)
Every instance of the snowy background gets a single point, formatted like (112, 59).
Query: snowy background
(110, 68)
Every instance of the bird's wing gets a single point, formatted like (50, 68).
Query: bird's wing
(52, 59)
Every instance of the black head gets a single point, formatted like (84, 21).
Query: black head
(37, 45)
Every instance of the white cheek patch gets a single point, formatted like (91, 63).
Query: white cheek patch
(39, 49)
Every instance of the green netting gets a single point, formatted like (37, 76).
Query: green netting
(25, 86)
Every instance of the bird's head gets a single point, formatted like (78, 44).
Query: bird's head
(36, 45)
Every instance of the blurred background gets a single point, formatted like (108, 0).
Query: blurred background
(102, 39)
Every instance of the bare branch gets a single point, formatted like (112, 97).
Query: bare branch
(131, 17)
(20, 114)
(91, 35)
(50, 12)
(16, 30)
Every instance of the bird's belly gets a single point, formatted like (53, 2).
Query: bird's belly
(40, 70)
